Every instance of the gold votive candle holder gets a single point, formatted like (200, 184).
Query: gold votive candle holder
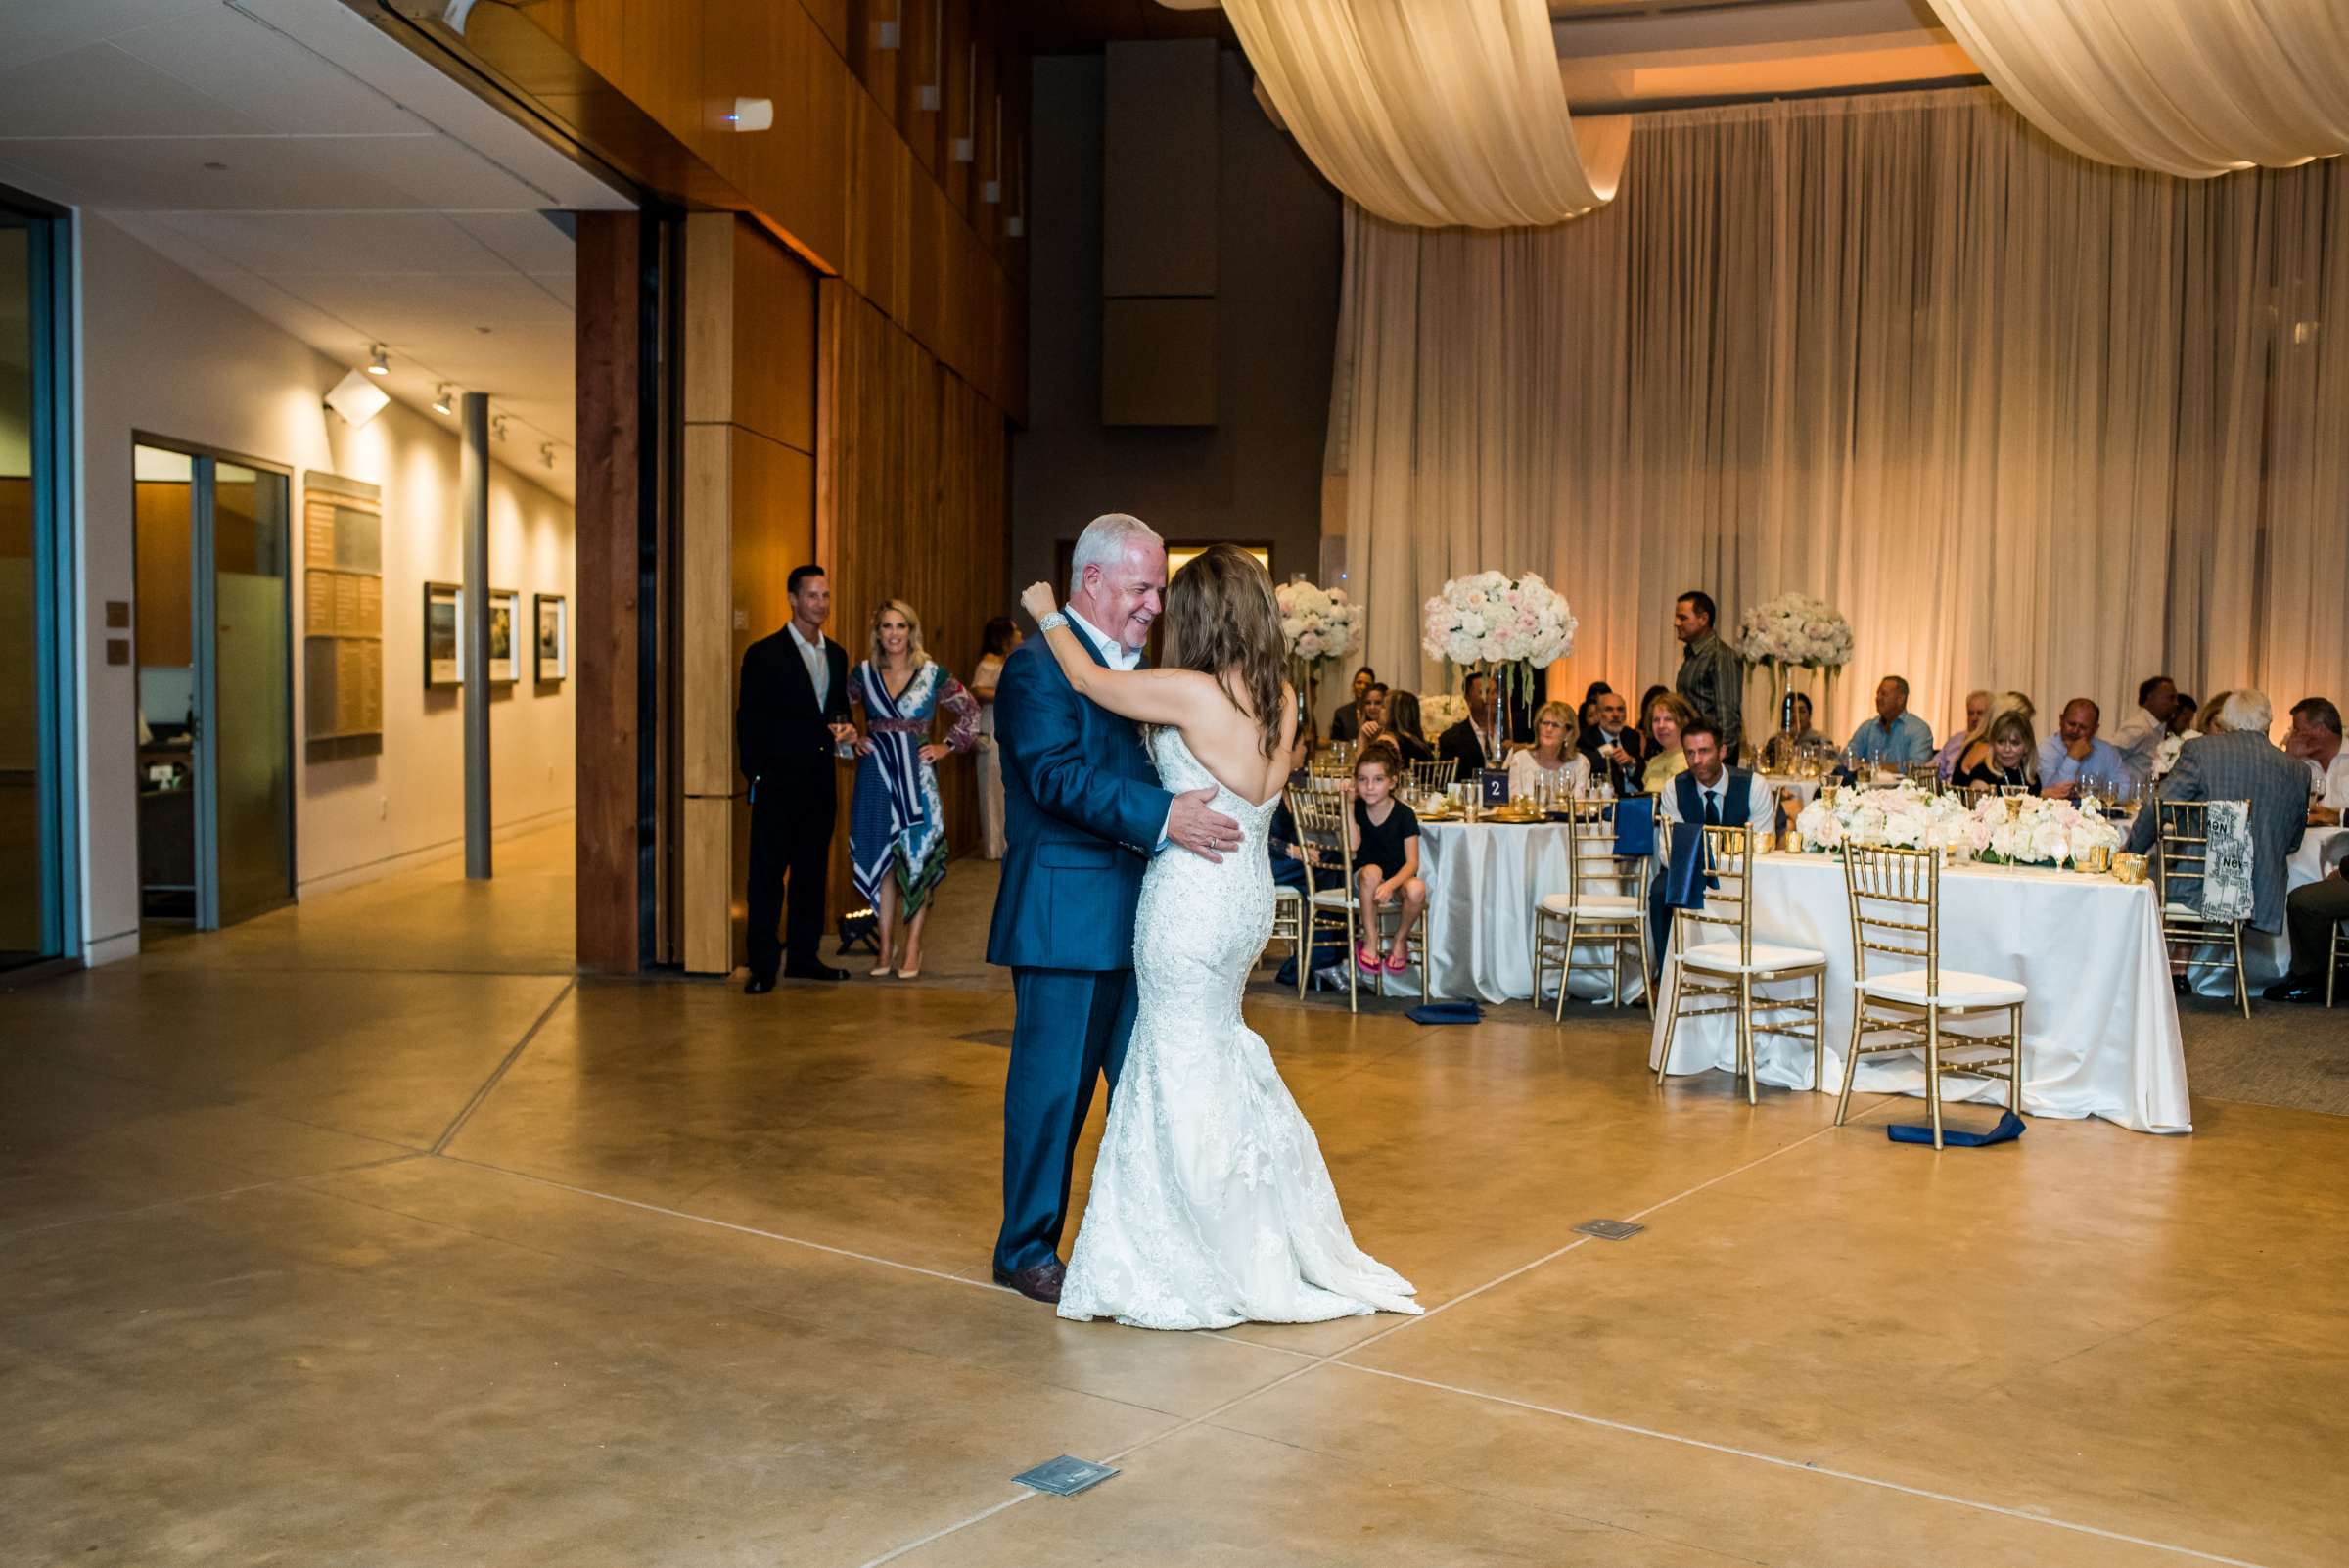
(1791, 841)
(2099, 859)
(2129, 868)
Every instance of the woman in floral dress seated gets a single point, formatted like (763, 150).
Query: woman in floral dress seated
(896, 823)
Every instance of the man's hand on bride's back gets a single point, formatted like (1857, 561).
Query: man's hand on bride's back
(1199, 827)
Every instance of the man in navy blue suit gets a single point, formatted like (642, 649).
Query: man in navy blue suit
(1082, 816)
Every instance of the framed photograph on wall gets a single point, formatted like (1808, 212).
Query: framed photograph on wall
(550, 654)
(443, 635)
(506, 608)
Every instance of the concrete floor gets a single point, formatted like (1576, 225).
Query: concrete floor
(362, 1235)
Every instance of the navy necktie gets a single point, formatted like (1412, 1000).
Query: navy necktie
(1712, 809)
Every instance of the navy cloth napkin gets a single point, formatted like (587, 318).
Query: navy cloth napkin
(2011, 1127)
(1447, 1012)
(1636, 827)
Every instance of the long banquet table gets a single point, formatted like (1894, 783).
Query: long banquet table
(2101, 1027)
(1482, 880)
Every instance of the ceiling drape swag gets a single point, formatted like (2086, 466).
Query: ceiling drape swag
(2187, 87)
(2030, 421)
(1433, 112)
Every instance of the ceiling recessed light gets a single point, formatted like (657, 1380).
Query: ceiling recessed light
(443, 395)
(379, 362)
(217, 168)
(483, 331)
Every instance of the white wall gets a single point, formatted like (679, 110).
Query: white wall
(165, 354)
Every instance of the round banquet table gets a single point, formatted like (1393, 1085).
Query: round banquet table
(2099, 1030)
(1482, 882)
(2266, 956)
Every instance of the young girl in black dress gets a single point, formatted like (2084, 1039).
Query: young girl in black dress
(1384, 834)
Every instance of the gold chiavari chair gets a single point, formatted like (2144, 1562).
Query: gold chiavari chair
(1331, 903)
(2335, 958)
(1925, 776)
(1895, 897)
(1711, 977)
(2185, 858)
(1604, 903)
(1435, 776)
(1289, 925)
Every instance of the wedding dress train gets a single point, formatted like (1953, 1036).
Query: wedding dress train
(1210, 1205)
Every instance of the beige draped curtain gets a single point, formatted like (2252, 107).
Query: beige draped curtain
(2029, 421)
(2190, 87)
(1433, 112)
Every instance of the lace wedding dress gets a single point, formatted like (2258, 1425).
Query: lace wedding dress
(1210, 1204)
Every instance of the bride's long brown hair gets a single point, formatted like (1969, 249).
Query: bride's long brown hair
(1221, 620)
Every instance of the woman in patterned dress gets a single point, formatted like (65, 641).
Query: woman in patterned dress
(896, 823)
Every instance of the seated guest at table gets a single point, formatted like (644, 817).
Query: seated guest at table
(1615, 752)
(2240, 764)
(1709, 792)
(1384, 834)
(1896, 737)
(1976, 748)
(2074, 752)
(1552, 755)
(2310, 913)
(1668, 720)
(2182, 713)
(1977, 716)
(2013, 761)
(1804, 729)
(1647, 702)
(1472, 742)
(2316, 739)
(1346, 724)
(2138, 736)
(1404, 728)
(1589, 714)
(2213, 716)
(1378, 725)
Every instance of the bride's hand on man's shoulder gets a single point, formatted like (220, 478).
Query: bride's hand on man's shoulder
(1038, 601)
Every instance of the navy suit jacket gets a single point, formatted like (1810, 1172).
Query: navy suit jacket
(1082, 812)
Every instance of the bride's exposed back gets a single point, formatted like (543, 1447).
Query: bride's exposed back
(1210, 1204)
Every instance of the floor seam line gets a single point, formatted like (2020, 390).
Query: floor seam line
(498, 1073)
(1804, 1468)
(6, 1237)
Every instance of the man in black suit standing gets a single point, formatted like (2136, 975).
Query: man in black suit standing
(792, 712)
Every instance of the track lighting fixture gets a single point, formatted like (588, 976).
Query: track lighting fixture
(379, 360)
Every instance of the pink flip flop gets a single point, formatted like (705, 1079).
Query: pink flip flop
(1397, 962)
(1366, 961)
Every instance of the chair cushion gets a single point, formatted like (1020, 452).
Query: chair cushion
(1593, 903)
(1958, 988)
(1721, 957)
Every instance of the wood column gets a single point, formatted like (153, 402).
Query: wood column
(747, 517)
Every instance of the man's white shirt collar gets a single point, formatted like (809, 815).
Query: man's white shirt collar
(817, 646)
(1113, 652)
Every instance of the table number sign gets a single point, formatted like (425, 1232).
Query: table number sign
(1493, 786)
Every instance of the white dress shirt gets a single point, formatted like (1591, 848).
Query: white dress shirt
(1761, 804)
(1525, 772)
(2334, 793)
(819, 669)
(2136, 739)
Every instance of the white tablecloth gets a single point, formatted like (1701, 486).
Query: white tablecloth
(2101, 1027)
(2266, 957)
(1481, 881)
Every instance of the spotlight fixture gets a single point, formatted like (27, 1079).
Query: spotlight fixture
(444, 398)
(379, 360)
(753, 115)
(546, 453)
(497, 427)
(356, 398)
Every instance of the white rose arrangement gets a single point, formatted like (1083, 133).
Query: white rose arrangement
(1795, 629)
(1488, 618)
(1318, 624)
(2041, 832)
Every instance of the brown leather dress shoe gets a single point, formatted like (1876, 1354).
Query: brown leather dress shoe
(1041, 1282)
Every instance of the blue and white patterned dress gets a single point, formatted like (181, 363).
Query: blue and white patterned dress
(896, 823)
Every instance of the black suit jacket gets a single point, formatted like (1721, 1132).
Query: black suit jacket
(1462, 745)
(781, 733)
(1624, 780)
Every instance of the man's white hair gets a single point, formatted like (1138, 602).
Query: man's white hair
(2247, 710)
(1104, 544)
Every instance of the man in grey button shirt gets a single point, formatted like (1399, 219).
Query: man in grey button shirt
(1711, 679)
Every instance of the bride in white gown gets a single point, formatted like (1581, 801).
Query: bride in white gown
(1210, 1205)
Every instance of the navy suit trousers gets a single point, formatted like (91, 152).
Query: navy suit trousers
(1070, 1025)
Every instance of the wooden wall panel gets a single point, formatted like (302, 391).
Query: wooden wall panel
(911, 502)
(774, 341)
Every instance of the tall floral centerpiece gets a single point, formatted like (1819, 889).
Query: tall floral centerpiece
(1319, 626)
(1794, 632)
(1508, 626)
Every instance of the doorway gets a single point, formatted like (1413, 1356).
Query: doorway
(215, 677)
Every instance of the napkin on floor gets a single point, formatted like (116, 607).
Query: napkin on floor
(1447, 1012)
(2010, 1127)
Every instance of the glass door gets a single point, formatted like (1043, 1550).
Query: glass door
(37, 620)
(216, 687)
